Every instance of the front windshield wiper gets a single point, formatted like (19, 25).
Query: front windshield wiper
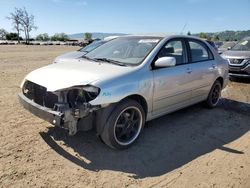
(88, 58)
(110, 61)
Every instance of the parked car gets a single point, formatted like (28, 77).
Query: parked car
(118, 86)
(212, 44)
(82, 51)
(218, 44)
(239, 59)
(226, 46)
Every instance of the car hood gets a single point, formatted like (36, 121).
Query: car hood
(74, 73)
(236, 54)
(69, 55)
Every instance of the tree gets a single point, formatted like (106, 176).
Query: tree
(15, 17)
(88, 36)
(27, 22)
(59, 37)
(189, 33)
(42, 37)
(203, 35)
(3, 34)
(216, 38)
(13, 36)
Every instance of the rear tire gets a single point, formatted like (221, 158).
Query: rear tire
(214, 95)
(124, 125)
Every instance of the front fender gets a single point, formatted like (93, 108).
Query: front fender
(115, 94)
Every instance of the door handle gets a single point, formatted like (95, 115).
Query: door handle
(188, 70)
(213, 66)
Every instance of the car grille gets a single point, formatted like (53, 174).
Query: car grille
(235, 61)
(39, 94)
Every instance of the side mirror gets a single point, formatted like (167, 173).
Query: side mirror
(165, 62)
(229, 48)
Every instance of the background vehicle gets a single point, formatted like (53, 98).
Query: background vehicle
(118, 86)
(239, 59)
(218, 43)
(82, 51)
(212, 44)
(226, 46)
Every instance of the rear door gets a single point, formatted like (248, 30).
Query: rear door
(203, 66)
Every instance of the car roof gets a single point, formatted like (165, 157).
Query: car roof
(162, 35)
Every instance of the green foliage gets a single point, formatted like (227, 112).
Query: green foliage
(88, 36)
(59, 37)
(12, 36)
(202, 35)
(228, 35)
(43, 37)
(216, 38)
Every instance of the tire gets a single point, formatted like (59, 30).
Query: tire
(124, 125)
(214, 95)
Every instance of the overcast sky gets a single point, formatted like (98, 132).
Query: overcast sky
(131, 16)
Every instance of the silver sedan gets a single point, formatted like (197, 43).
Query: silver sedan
(120, 85)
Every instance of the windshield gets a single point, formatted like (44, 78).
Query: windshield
(243, 45)
(228, 44)
(125, 50)
(92, 46)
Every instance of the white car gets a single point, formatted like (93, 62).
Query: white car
(82, 51)
(118, 86)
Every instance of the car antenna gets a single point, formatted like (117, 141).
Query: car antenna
(185, 25)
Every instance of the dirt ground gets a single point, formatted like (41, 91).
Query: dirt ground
(194, 147)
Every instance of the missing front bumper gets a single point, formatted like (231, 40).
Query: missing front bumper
(53, 117)
(66, 117)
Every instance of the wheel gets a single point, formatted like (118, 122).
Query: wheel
(124, 125)
(214, 95)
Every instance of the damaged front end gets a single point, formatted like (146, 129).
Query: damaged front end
(68, 108)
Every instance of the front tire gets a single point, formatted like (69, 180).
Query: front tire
(214, 95)
(124, 125)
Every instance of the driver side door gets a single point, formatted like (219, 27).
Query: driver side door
(172, 85)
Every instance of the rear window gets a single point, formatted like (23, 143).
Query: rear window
(199, 51)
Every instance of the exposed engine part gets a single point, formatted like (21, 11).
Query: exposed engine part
(70, 122)
(79, 96)
(72, 103)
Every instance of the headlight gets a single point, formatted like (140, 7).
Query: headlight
(82, 94)
(91, 89)
(246, 61)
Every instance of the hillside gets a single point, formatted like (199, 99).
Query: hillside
(229, 35)
(95, 35)
(223, 35)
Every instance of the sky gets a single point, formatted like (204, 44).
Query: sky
(131, 16)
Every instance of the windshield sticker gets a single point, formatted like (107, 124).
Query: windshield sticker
(244, 43)
(148, 41)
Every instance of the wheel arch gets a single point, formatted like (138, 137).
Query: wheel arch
(103, 114)
(141, 100)
(221, 80)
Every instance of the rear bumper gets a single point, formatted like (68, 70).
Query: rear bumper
(53, 117)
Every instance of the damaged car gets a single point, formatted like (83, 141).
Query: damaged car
(120, 85)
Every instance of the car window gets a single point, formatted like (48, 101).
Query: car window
(126, 50)
(173, 48)
(92, 46)
(199, 51)
(243, 45)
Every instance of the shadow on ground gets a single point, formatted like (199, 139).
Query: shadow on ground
(166, 143)
(240, 80)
